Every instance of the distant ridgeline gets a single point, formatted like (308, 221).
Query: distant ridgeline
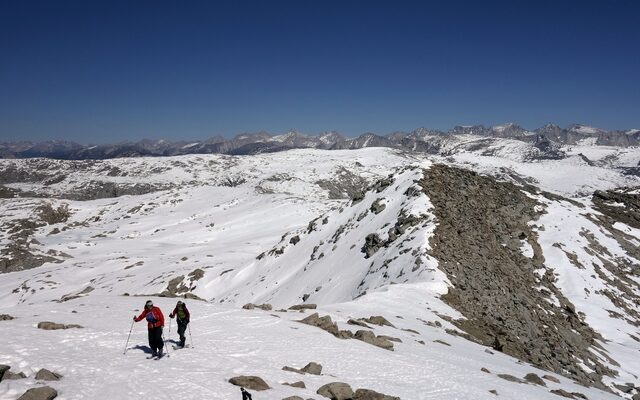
(547, 139)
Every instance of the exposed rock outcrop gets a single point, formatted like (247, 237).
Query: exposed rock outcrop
(481, 226)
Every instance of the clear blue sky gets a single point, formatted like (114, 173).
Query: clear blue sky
(107, 71)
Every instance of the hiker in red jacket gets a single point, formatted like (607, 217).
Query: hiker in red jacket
(155, 322)
(183, 318)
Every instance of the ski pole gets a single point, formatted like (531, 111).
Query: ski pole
(127, 344)
(166, 348)
(191, 337)
(169, 335)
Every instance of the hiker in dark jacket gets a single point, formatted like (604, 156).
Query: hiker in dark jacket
(245, 395)
(182, 318)
(155, 322)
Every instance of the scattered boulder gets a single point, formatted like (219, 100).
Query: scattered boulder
(378, 320)
(249, 382)
(535, 379)
(324, 323)
(12, 376)
(391, 338)
(50, 326)
(336, 391)
(510, 378)
(483, 369)
(40, 393)
(298, 384)
(303, 307)
(441, 342)
(358, 323)
(366, 394)
(46, 375)
(371, 338)
(293, 398)
(563, 393)
(493, 391)
(312, 368)
(251, 306)
(6, 317)
(3, 370)
(551, 378)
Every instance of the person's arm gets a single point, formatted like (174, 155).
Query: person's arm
(186, 312)
(160, 318)
(173, 313)
(141, 316)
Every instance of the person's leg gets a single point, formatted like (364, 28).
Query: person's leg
(181, 329)
(152, 342)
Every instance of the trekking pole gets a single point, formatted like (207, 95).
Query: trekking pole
(127, 344)
(169, 335)
(166, 348)
(191, 337)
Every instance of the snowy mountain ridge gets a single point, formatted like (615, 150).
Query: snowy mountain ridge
(530, 267)
(421, 139)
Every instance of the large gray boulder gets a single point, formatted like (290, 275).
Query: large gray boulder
(312, 368)
(5, 317)
(366, 394)
(46, 375)
(40, 393)
(369, 337)
(336, 391)
(249, 382)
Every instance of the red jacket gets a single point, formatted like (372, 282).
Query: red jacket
(157, 316)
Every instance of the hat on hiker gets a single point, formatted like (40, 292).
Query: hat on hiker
(149, 303)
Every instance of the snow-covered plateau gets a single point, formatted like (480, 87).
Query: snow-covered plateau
(471, 274)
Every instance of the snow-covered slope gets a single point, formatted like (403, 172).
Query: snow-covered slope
(350, 231)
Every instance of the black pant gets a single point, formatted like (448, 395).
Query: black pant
(182, 327)
(155, 339)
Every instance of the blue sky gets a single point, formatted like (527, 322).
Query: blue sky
(108, 71)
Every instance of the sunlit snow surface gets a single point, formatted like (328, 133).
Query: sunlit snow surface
(139, 243)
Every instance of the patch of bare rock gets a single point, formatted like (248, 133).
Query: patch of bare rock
(52, 326)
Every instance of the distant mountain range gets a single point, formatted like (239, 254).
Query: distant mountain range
(546, 138)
